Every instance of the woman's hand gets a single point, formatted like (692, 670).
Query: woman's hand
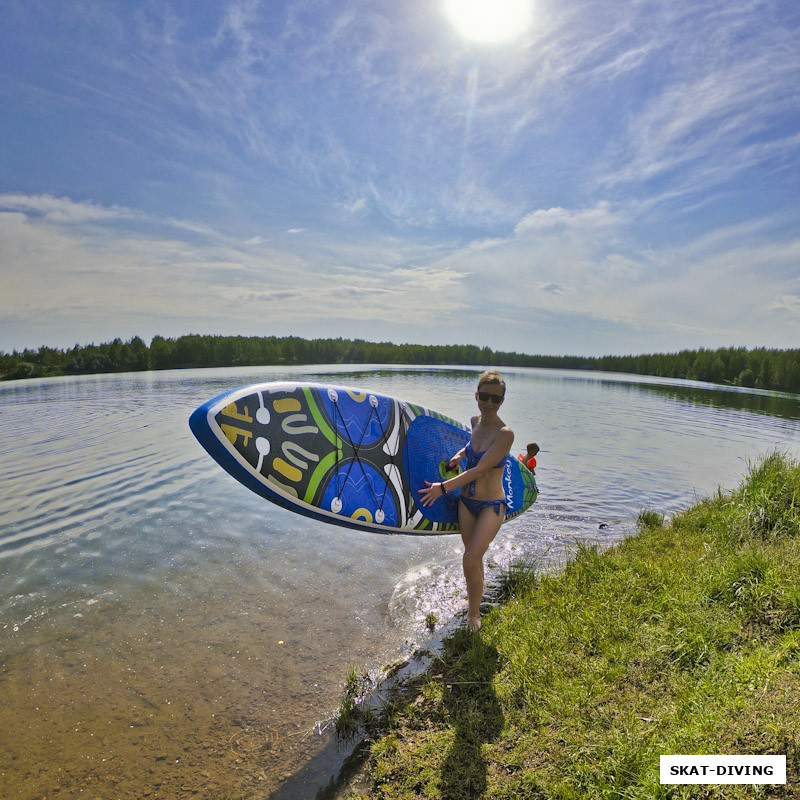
(431, 493)
(456, 459)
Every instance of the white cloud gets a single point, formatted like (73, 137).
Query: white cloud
(356, 206)
(600, 216)
(554, 288)
(61, 210)
(142, 273)
(239, 20)
(586, 264)
(788, 303)
(724, 107)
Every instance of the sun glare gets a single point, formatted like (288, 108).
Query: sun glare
(489, 20)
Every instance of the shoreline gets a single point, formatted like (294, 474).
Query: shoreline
(342, 756)
(347, 752)
(736, 367)
(683, 638)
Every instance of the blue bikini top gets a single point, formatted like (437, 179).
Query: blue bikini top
(474, 457)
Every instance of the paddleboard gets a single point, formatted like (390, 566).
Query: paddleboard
(344, 455)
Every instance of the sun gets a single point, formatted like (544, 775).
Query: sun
(489, 20)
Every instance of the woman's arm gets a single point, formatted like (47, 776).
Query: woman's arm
(453, 462)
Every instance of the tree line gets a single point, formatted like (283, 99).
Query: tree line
(759, 368)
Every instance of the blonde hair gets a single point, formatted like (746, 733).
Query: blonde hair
(491, 376)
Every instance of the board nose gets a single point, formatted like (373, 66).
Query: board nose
(199, 426)
(198, 422)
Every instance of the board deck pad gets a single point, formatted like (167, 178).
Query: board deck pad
(343, 455)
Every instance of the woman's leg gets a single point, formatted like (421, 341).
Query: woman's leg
(477, 535)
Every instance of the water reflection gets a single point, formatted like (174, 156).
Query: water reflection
(771, 403)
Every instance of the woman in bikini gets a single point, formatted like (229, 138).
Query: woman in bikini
(482, 506)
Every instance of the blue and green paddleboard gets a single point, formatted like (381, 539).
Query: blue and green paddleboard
(342, 455)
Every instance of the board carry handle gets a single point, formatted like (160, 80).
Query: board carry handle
(446, 473)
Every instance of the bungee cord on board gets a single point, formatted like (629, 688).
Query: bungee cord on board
(345, 436)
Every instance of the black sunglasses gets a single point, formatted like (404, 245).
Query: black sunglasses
(495, 398)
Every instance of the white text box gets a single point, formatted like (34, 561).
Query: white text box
(723, 769)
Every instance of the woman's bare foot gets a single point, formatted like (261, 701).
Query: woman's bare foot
(473, 624)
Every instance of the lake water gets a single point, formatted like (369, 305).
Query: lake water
(164, 632)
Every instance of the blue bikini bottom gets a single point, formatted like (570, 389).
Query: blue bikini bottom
(476, 506)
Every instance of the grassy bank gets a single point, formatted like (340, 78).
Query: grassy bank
(684, 639)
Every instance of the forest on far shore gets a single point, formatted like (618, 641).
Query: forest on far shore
(759, 368)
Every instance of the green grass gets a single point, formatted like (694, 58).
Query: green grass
(354, 712)
(683, 639)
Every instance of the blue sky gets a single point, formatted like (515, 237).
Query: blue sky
(611, 177)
